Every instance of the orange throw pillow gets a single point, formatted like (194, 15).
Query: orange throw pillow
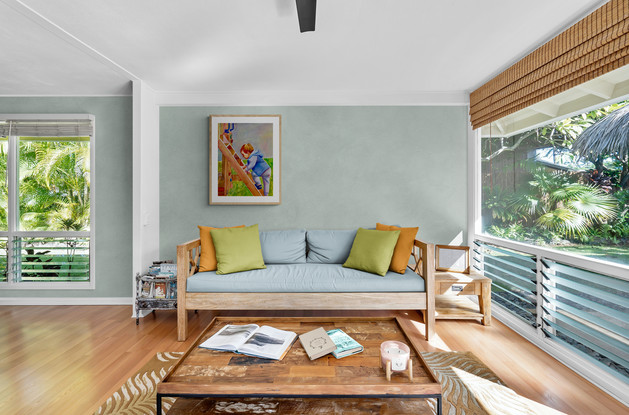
(207, 261)
(403, 248)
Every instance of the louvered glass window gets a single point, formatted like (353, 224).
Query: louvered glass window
(589, 313)
(513, 279)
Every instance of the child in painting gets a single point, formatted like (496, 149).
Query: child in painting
(258, 167)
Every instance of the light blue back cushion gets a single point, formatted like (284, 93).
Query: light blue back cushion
(329, 247)
(283, 247)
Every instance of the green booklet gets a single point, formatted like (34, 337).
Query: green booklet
(345, 345)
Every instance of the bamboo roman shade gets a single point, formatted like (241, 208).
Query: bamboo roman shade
(592, 47)
(47, 128)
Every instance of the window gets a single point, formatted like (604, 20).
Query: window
(557, 186)
(552, 231)
(46, 226)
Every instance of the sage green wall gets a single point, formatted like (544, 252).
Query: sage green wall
(342, 168)
(113, 191)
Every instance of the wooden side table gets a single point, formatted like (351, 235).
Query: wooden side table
(451, 289)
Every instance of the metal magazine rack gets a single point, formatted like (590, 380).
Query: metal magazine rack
(156, 290)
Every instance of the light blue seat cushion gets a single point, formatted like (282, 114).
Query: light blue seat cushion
(329, 246)
(305, 278)
(283, 247)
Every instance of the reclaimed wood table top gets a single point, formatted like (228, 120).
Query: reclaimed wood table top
(204, 372)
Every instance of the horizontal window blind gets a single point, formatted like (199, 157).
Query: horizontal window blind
(47, 128)
(592, 47)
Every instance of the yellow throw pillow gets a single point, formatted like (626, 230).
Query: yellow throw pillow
(207, 261)
(403, 248)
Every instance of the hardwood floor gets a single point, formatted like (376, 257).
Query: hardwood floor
(69, 359)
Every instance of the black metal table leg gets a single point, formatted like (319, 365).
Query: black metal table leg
(159, 405)
(438, 406)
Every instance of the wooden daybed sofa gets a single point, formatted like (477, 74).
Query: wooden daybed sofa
(413, 290)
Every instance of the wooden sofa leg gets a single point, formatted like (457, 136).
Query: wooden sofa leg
(429, 319)
(182, 324)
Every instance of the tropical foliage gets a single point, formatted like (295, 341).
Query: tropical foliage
(582, 199)
(53, 195)
(54, 185)
(608, 138)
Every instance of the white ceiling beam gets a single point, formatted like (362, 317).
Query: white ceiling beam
(315, 98)
(547, 108)
(599, 87)
(62, 34)
(499, 125)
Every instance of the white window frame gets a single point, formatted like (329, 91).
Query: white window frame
(588, 370)
(12, 219)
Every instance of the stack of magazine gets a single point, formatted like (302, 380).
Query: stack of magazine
(252, 340)
(318, 343)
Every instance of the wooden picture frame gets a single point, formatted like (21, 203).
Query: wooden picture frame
(452, 258)
(245, 159)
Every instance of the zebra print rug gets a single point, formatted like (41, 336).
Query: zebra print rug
(137, 395)
(469, 388)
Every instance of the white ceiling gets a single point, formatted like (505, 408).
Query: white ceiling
(89, 47)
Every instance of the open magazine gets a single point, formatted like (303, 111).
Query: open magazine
(250, 339)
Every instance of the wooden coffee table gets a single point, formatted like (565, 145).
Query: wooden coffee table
(203, 373)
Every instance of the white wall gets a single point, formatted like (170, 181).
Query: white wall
(145, 178)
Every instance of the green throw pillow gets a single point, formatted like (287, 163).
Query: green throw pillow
(237, 249)
(372, 251)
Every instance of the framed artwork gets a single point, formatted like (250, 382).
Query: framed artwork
(245, 159)
(452, 258)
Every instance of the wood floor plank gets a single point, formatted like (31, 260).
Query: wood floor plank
(69, 359)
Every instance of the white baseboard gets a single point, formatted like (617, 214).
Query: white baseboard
(141, 314)
(589, 371)
(66, 301)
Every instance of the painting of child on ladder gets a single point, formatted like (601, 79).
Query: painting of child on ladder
(244, 159)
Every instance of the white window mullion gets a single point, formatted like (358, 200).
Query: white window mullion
(13, 210)
(540, 290)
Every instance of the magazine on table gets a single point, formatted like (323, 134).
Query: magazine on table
(345, 345)
(252, 340)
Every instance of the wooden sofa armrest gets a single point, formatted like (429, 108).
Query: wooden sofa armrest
(424, 255)
(187, 264)
(188, 255)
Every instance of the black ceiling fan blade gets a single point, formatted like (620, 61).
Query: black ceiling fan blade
(307, 13)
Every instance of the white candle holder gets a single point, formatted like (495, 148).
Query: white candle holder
(395, 357)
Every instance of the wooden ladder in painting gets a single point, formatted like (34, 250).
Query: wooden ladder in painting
(232, 160)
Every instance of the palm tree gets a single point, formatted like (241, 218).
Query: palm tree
(570, 209)
(54, 185)
(54, 195)
(608, 137)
